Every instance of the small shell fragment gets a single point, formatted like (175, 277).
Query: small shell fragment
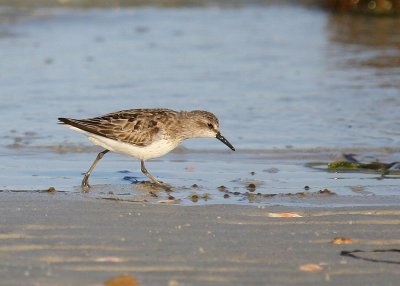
(286, 215)
(310, 267)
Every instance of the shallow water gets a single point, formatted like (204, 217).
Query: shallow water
(290, 85)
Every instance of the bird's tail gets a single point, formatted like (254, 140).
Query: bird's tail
(62, 120)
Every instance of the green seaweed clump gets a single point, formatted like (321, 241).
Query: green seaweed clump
(374, 166)
(343, 165)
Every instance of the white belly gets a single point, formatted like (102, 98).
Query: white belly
(154, 150)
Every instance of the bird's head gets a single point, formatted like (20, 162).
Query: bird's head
(206, 125)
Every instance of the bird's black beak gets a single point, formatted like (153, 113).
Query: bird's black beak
(223, 140)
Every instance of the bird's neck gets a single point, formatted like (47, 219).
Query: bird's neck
(185, 128)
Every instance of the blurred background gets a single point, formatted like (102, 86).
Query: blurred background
(280, 75)
(291, 73)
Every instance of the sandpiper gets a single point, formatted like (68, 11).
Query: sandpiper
(144, 133)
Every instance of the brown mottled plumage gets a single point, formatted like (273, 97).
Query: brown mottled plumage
(141, 126)
(145, 133)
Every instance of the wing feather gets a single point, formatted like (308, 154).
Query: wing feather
(139, 127)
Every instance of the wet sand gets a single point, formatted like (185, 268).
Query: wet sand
(53, 239)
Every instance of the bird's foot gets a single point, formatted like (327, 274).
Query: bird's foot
(157, 186)
(85, 185)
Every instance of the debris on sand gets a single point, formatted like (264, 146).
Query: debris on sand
(342, 240)
(311, 267)
(123, 280)
(285, 215)
(194, 198)
(326, 192)
(251, 187)
(222, 188)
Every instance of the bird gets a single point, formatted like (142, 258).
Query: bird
(144, 133)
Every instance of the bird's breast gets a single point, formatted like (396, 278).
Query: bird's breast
(156, 149)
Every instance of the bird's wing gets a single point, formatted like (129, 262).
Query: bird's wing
(135, 126)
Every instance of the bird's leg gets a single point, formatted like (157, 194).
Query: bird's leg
(151, 177)
(85, 183)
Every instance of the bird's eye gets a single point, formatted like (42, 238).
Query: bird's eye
(210, 126)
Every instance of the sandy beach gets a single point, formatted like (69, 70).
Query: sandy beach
(48, 239)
